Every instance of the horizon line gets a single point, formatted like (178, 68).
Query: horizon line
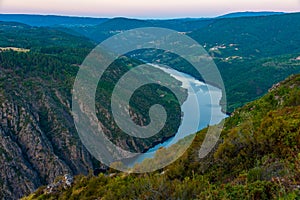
(145, 18)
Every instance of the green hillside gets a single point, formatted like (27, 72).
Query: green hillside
(257, 157)
(38, 139)
(251, 57)
(242, 47)
(252, 53)
(253, 36)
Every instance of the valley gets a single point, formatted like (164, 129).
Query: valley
(255, 158)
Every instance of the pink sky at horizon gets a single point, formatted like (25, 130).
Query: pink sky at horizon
(145, 9)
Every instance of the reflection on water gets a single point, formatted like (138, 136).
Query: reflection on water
(202, 99)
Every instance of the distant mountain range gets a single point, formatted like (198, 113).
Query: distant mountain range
(54, 20)
(51, 20)
(250, 14)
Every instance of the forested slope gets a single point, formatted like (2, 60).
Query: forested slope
(257, 157)
(39, 141)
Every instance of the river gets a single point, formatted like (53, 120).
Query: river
(200, 95)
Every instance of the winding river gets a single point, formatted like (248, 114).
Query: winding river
(200, 95)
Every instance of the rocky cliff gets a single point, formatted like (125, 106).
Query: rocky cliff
(37, 144)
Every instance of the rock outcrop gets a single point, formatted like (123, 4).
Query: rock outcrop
(37, 145)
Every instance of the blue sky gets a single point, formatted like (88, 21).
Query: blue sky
(145, 8)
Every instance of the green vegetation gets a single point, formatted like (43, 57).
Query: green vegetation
(50, 67)
(257, 157)
(252, 53)
(255, 77)
(140, 103)
(250, 58)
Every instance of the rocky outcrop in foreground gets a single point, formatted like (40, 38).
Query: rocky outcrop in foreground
(37, 145)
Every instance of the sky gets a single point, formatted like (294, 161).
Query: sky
(145, 8)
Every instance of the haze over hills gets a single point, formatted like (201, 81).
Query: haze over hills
(51, 20)
(56, 20)
(250, 14)
(232, 44)
(38, 65)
